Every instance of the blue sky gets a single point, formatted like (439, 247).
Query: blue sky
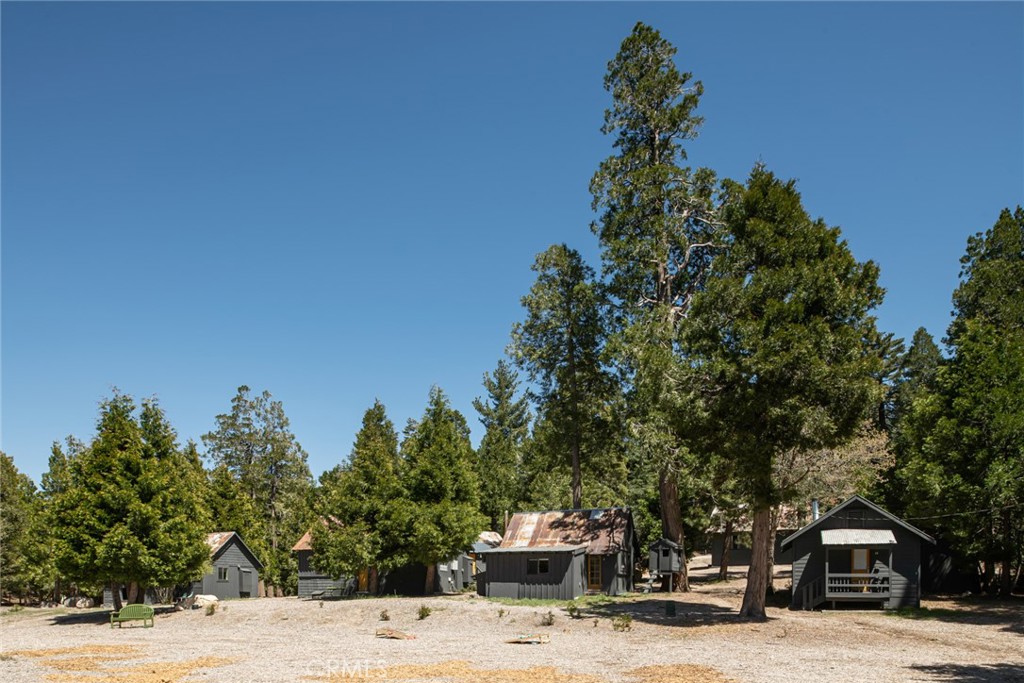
(340, 201)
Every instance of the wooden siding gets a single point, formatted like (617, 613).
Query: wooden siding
(809, 556)
(313, 581)
(241, 571)
(506, 576)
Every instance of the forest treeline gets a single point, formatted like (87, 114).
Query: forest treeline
(722, 356)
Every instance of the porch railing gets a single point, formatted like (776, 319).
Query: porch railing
(856, 585)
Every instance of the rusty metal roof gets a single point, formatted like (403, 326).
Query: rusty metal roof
(602, 531)
(217, 539)
(306, 542)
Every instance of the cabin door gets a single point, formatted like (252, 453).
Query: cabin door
(363, 581)
(860, 563)
(594, 572)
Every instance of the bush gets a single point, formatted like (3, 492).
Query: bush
(623, 622)
(384, 616)
(574, 611)
(501, 612)
(211, 609)
(423, 612)
(548, 619)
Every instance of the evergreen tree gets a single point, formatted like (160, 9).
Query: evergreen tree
(780, 342)
(658, 231)
(441, 490)
(128, 514)
(560, 346)
(506, 420)
(255, 444)
(231, 509)
(22, 540)
(360, 504)
(966, 439)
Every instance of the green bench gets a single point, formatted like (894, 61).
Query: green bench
(143, 613)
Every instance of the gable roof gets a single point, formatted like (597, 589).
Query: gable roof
(603, 531)
(848, 502)
(306, 542)
(219, 540)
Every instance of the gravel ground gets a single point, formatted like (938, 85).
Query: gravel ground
(286, 639)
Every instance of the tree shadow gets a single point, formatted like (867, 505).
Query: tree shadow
(984, 611)
(101, 616)
(666, 611)
(974, 673)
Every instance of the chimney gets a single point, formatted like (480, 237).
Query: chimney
(814, 510)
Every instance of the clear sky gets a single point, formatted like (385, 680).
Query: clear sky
(338, 201)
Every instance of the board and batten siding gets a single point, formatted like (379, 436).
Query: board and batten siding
(242, 575)
(313, 581)
(809, 556)
(507, 577)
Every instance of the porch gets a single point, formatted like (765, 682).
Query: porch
(858, 568)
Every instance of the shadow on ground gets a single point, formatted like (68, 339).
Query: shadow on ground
(1004, 612)
(654, 610)
(101, 615)
(974, 673)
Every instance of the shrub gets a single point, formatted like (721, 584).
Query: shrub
(574, 611)
(501, 612)
(211, 609)
(384, 616)
(424, 612)
(623, 622)
(548, 619)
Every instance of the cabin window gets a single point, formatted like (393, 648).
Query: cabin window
(664, 552)
(222, 574)
(537, 566)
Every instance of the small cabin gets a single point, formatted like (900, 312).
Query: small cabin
(857, 553)
(562, 554)
(313, 581)
(236, 570)
(666, 557)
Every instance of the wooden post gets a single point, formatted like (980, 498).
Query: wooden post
(826, 574)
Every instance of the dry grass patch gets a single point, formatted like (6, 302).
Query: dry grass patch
(464, 672)
(106, 664)
(678, 673)
(153, 672)
(85, 650)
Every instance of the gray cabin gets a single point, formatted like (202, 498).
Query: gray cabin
(562, 554)
(857, 553)
(312, 581)
(236, 571)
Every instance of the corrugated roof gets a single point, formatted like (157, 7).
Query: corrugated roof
(217, 539)
(537, 549)
(306, 542)
(857, 537)
(603, 531)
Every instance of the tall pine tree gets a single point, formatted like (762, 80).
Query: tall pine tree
(506, 420)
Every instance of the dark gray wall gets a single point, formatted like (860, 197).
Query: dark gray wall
(809, 556)
(506, 576)
(313, 581)
(243, 576)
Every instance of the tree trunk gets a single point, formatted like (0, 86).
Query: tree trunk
(757, 576)
(723, 568)
(373, 582)
(134, 593)
(428, 585)
(1006, 578)
(577, 478)
(115, 593)
(773, 530)
(672, 523)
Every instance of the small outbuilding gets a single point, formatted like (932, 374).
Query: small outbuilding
(562, 554)
(857, 553)
(314, 581)
(236, 570)
(666, 557)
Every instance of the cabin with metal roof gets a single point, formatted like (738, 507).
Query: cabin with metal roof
(312, 581)
(857, 553)
(562, 554)
(236, 570)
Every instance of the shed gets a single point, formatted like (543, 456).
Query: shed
(666, 557)
(553, 540)
(857, 553)
(311, 579)
(236, 570)
(740, 534)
